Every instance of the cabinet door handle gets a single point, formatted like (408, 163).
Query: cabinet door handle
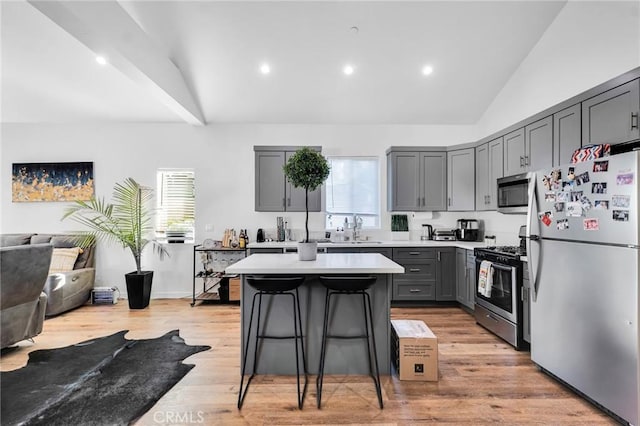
(418, 201)
(414, 253)
(488, 199)
(414, 270)
(526, 160)
(289, 201)
(634, 118)
(521, 161)
(414, 290)
(438, 256)
(284, 202)
(449, 201)
(422, 201)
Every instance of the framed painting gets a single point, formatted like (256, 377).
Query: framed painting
(51, 182)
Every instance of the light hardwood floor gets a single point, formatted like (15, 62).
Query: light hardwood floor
(482, 379)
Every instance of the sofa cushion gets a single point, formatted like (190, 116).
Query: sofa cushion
(7, 240)
(85, 258)
(63, 259)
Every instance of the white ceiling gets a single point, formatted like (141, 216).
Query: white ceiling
(474, 47)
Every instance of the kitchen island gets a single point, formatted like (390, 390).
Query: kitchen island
(343, 356)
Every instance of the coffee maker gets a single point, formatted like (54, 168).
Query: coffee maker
(468, 230)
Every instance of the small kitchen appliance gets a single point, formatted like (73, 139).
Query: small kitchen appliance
(468, 230)
(260, 236)
(444, 235)
(427, 232)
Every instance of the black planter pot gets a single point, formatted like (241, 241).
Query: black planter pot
(139, 288)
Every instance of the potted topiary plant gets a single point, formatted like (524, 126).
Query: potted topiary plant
(307, 169)
(126, 221)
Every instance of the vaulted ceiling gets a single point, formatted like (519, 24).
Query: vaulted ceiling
(199, 61)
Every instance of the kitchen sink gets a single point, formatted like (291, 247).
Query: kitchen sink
(357, 242)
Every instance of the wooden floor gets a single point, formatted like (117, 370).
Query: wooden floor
(482, 379)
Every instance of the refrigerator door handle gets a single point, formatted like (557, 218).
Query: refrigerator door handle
(532, 215)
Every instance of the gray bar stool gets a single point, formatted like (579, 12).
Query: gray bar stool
(349, 285)
(275, 286)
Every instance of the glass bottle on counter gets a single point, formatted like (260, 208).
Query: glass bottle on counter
(241, 240)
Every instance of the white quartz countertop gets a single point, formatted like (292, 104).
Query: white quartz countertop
(325, 263)
(468, 245)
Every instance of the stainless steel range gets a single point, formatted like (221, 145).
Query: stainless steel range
(500, 310)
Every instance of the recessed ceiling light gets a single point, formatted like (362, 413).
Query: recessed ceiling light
(265, 68)
(427, 69)
(101, 60)
(348, 69)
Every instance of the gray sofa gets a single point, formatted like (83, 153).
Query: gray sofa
(23, 273)
(64, 290)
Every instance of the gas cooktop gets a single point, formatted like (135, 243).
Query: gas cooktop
(509, 250)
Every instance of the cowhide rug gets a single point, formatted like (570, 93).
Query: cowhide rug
(104, 381)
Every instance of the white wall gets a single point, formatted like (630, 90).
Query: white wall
(223, 159)
(587, 44)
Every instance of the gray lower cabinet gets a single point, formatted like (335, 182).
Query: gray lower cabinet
(465, 277)
(446, 274)
(273, 193)
(566, 134)
(416, 180)
(461, 180)
(471, 280)
(526, 304)
(489, 167)
(265, 250)
(612, 117)
(418, 283)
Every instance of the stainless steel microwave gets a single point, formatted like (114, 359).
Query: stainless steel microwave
(513, 193)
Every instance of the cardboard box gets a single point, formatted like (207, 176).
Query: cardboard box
(234, 289)
(414, 350)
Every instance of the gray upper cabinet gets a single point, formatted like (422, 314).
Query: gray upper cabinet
(566, 134)
(489, 167)
(416, 180)
(403, 181)
(272, 192)
(529, 148)
(295, 197)
(514, 152)
(538, 142)
(433, 181)
(270, 182)
(612, 116)
(461, 179)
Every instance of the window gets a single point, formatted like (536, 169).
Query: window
(353, 189)
(176, 203)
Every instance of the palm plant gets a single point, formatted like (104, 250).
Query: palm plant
(126, 221)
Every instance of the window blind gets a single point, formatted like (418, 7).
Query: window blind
(176, 201)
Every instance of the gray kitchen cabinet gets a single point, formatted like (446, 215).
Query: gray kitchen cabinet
(416, 180)
(612, 117)
(489, 167)
(566, 134)
(461, 275)
(418, 283)
(526, 304)
(403, 181)
(461, 180)
(471, 279)
(529, 148)
(514, 150)
(538, 142)
(446, 274)
(465, 278)
(273, 193)
(263, 250)
(433, 182)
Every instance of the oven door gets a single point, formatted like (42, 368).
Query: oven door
(503, 300)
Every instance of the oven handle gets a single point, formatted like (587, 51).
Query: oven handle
(501, 267)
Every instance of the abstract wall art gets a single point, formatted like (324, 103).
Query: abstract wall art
(51, 182)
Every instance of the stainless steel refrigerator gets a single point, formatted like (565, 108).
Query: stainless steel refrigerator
(583, 252)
